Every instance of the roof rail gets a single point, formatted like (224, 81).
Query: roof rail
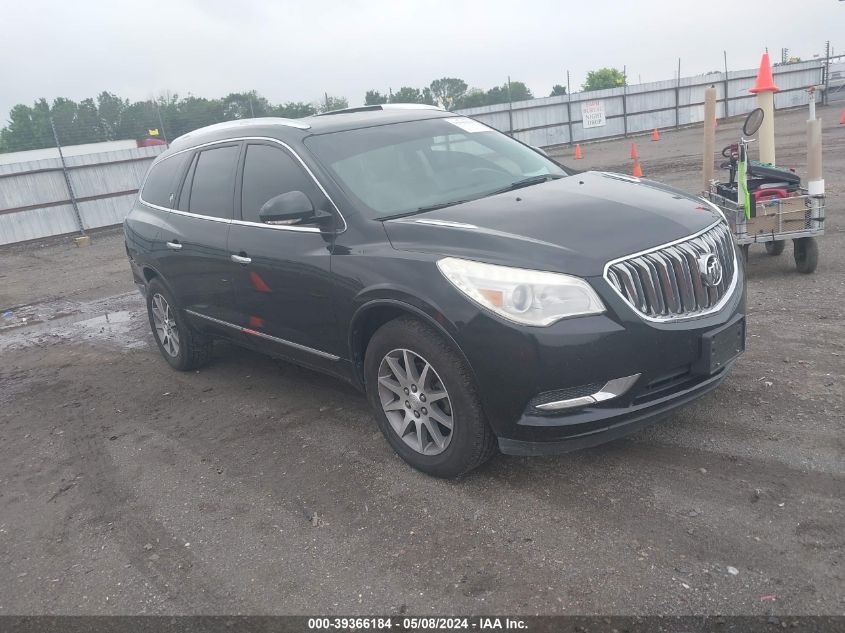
(383, 106)
(228, 125)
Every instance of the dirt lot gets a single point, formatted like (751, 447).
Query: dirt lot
(256, 487)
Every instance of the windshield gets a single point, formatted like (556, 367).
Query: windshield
(416, 166)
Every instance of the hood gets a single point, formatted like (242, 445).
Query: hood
(573, 225)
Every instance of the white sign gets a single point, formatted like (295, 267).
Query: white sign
(592, 113)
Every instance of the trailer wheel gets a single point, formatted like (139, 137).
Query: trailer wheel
(743, 250)
(775, 248)
(806, 252)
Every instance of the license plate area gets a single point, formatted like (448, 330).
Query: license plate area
(719, 347)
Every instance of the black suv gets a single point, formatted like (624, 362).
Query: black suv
(482, 295)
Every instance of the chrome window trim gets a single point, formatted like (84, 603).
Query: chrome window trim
(276, 339)
(676, 318)
(611, 389)
(295, 229)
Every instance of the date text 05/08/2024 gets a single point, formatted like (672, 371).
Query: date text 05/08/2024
(415, 624)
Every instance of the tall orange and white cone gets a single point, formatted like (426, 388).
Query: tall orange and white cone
(765, 90)
(577, 151)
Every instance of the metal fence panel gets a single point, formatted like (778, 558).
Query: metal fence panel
(35, 203)
(642, 107)
(36, 223)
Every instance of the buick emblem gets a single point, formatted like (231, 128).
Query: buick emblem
(710, 269)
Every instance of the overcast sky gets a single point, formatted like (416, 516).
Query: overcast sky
(294, 51)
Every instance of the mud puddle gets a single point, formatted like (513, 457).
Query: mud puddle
(119, 320)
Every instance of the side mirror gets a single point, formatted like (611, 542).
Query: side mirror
(540, 150)
(753, 122)
(293, 207)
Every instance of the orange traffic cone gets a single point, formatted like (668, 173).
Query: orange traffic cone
(577, 151)
(638, 171)
(634, 151)
(655, 135)
(843, 118)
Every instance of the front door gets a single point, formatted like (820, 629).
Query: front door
(283, 283)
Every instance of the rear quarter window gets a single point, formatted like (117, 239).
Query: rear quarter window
(162, 181)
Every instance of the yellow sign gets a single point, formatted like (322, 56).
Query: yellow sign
(153, 132)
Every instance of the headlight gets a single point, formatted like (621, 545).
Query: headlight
(532, 297)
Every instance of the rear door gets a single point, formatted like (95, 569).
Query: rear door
(283, 285)
(196, 261)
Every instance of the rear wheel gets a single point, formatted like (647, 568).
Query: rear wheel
(425, 400)
(775, 248)
(806, 253)
(182, 347)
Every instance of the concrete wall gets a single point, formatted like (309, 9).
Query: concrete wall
(35, 203)
(642, 107)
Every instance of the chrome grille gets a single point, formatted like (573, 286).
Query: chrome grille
(666, 284)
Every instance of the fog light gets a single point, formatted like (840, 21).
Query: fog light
(584, 395)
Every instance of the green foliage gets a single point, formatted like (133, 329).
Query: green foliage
(406, 94)
(448, 91)
(333, 103)
(294, 110)
(604, 78)
(473, 98)
(517, 91)
(374, 97)
(558, 91)
(109, 118)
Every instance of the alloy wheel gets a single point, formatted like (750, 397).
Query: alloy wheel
(165, 325)
(415, 401)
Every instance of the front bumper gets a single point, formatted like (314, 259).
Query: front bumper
(525, 362)
(600, 426)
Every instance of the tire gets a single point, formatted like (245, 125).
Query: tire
(743, 251)
(806, 253)
(469, 443)
(188, 349)
(775, 248)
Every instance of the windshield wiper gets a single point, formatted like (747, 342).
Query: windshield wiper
(430, 207)
(519, 184)
(526, 182)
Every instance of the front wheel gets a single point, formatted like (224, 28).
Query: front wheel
(806, 253)
(182, 347)
(425, 400)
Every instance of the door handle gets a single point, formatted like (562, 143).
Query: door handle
(174, 245)
(240, 259)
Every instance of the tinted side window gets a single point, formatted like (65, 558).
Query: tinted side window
(213, 183)
(268, 172)
(163, 181)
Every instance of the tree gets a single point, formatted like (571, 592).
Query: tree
(447, 91)
(333, 103)
(88, 122)
(558, 90)
(517, 91)
(294, 110)
(604, 78)
(110, 111)
(28, 128)
(406, 94)
(473, 98)
(245, 105)
(374, 97)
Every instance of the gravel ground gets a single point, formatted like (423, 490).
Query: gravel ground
(256, 487)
